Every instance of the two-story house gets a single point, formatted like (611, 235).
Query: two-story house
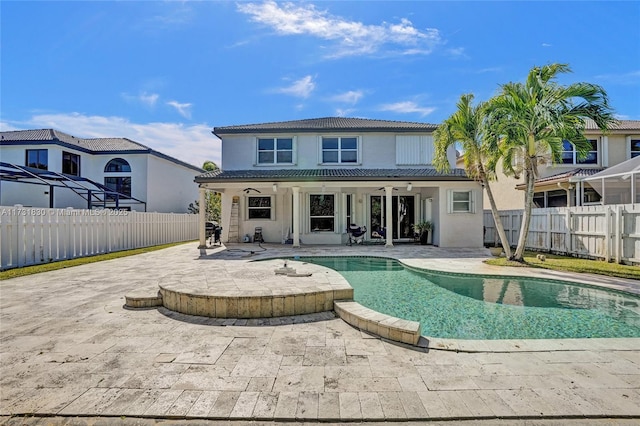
(49, 168)
(307, 181)
(567, 183)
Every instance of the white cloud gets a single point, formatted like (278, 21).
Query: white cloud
(546, 45)
(340, 112)
(351, 97)
(407, 107)
(148, 99)
(193, 144)
(353, 37)
(183, 109)
(631, 77)
(300, 88)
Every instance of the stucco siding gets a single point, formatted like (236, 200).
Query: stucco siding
(169, 186)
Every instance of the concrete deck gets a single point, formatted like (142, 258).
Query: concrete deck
(69, 348)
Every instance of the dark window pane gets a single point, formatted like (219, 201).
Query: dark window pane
(70, 164)
(121, 185)
(322, 224)
(285, 157)
(594, 144)
(321, 205)
(567, 157)
(349, 157)
(285, 143)
(117, 165)
(265, 144)
(635, 144)
(460, 196)
(591, 158)
(567, 146)
(259, 201)
(330, 143)
(265, 157)
(349, 143)
(259, 213)
(37, 158)
(330, 157)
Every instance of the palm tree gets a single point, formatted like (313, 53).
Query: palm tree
(468, 127)
(535, 117)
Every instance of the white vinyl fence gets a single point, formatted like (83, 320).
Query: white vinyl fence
(610, 232)
(30, 236)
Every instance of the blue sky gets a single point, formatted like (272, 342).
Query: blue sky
(165, 73)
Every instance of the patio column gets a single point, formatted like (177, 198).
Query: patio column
(202, 217)
(296, 216)
(388, 223)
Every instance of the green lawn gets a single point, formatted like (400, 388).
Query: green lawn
(28, 270)
(571, 264)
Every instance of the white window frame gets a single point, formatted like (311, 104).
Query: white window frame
(471, 201)
(275, 151)
(333, 216)
(248, 208)
(340, 150)
(574, 154)
(632, 153)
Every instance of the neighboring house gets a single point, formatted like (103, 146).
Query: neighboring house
(307, 181)
(49, 168)
(563, 184)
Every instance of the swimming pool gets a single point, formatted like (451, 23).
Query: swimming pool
(465, 306)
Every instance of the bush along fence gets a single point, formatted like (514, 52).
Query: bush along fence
(31, 236)
(609, 232)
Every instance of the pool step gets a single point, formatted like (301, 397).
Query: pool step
(143, 299)
(385, 326)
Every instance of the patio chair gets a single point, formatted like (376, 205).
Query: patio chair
(355, 232)
(257, 235)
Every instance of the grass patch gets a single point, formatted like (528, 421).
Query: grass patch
(53, 266)
(571, 264)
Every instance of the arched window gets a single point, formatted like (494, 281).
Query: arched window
(117, 165)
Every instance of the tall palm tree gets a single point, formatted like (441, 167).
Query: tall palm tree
(535, 117)
(467, 126)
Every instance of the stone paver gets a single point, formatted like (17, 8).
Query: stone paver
(69, 348)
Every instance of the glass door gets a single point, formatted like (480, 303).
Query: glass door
(403, 215)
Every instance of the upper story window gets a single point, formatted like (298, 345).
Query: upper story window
(37, 158)
(117, 165)
(635, 147)
(70, 164)
(341, 150)
(570, 155)
(275, 150)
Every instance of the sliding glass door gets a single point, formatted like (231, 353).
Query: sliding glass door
(403, 209)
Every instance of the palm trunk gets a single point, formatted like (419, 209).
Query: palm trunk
(526, 216)
(496, 216)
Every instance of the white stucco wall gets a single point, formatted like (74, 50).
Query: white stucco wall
(377, 150)
(170, 186)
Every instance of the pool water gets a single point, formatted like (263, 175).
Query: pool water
(465, 306)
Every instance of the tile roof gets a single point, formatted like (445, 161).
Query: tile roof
(328, 123)
(351, 174)
(620, 125)
(93, 145)
(564, 176)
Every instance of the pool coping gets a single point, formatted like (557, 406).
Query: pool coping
(366, 319)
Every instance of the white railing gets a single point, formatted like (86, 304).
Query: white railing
(610, 232)
(30, 236)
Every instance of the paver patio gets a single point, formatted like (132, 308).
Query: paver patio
(69, 348)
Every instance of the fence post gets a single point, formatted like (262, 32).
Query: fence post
(548, 226)
(619, 223)
(607, 233)
(567, 236)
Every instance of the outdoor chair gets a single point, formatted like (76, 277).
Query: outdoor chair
(355, 232)
(257, 235)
